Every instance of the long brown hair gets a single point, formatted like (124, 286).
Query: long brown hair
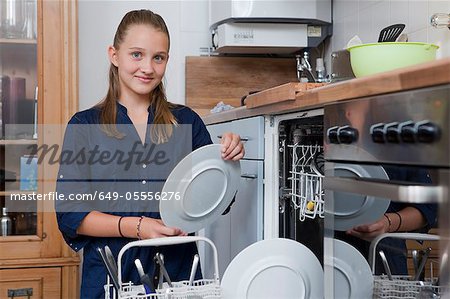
(164, 119)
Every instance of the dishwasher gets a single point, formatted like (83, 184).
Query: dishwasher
(300, 176)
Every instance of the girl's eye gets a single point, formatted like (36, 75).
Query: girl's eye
(136, 55)
(159, 58)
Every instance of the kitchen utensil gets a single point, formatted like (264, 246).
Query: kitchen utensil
(273, 268)
(422, 263)
(145, 279)
(369, 59)
(205, 185)
(159, 260)
(390, 33)
(109, 268)
(385, 264)
(415, 260)
(193, 269)
(402, 38)
(157, 275)
(111, 259)
(350, 271)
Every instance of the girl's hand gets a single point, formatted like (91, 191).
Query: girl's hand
(232, 147)
(369, 232)
(154, 228)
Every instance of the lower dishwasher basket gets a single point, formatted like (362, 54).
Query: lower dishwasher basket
(403, 286)
(200, 289)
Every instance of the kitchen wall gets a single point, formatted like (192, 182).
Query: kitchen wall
(98, 21)
(367, 17)
(188, 24)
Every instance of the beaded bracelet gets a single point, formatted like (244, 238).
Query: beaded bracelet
(389, 221)
(138, 228)
(118, 225)
(400, 221)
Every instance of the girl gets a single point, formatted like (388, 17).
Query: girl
(135, 100)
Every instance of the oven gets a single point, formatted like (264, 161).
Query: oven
(385, 152)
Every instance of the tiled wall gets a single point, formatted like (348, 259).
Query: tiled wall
(188, 24)
(366, 18)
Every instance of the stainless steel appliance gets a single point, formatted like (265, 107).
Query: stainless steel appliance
(404, 130)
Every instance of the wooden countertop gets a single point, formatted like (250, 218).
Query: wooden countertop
(423, 75)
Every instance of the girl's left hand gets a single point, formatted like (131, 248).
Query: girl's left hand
(232, 147)
(369, 232)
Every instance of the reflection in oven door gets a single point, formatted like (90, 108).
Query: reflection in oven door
(405, 137)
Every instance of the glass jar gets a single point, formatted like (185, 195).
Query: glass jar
(12, 16)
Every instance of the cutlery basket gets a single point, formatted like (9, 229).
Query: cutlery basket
(403, 286)
(200, 289)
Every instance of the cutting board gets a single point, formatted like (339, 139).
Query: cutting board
(282, 93)
(210, 80)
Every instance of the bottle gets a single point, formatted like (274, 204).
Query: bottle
(6, 223)
(320, 70)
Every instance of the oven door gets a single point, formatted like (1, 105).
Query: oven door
(358, 194)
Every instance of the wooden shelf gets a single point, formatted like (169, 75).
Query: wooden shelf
(18, 41)
(18, 141)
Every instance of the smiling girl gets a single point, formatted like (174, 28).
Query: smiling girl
(136, 98)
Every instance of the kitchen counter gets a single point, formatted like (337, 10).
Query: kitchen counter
(423, 75)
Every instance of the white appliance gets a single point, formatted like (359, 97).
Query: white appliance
(268, 26)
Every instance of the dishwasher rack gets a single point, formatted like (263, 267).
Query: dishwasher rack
(403, 286)
(307, 180)
(200, 289)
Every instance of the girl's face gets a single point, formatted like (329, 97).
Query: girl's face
(141, 60)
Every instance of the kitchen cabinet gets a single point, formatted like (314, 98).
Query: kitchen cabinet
(243, 225)
(39, 94)
(31, 283)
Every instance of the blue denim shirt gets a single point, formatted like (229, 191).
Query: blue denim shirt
(111, 177)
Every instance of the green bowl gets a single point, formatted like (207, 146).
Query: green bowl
(369, 59)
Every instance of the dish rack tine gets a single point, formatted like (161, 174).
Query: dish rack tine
(163, 242)
(404, 236)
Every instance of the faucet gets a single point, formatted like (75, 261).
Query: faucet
(304, 67)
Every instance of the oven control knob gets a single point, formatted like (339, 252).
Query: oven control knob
(332, 135)
(407, 132)
(427, 132)
(377, 133)
(392, 132)
(347, 134)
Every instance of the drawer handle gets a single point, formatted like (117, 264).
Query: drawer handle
(249, 176)
(242, 138)
(28, 292)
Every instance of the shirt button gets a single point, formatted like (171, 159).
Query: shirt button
(144, 182)
(144, 166)
(61, 176)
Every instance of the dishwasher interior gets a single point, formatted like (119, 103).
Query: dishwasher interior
(301, 170)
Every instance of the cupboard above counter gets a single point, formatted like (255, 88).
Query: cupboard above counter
(423, 75)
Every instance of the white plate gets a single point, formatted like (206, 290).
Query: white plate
(205, 185)
(350, 272)
(273, 268)
(351, 209)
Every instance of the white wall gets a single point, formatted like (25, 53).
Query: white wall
(98, 21)
(366, 18)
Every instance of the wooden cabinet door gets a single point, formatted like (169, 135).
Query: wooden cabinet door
(33, 283)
